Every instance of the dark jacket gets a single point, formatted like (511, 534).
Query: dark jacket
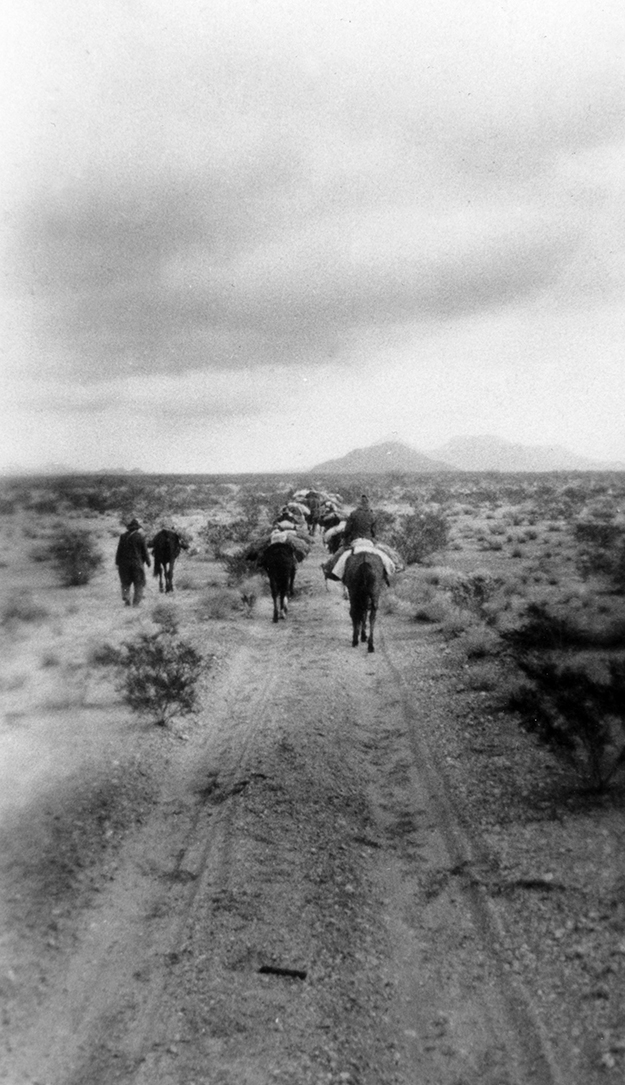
(360, 525)
(132, 550)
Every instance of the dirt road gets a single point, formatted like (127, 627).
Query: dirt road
(290, 896)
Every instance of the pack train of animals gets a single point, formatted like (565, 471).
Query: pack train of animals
(357, 559)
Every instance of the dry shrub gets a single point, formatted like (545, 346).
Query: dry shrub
(455, 623)
(50, 659)
(184, 583)
(552, 626)
(248, 594)
(158, 676)
(75, 556)
(483, 677)
(103, 655)
(479, 643)
(21, 607)
(166, 616)
(390, 603)
(420, 534)
(219, 603)
(473, 591)
(578, 714)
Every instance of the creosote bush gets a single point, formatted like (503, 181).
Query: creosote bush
(158, 675)
(167, 617)
(420, 534)
(473, 591)
(75, 556)
(579, 716)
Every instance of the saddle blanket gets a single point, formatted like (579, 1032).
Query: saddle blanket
(360, 546)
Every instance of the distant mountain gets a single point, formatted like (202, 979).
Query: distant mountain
(390, 456)
(494, 454)
(18, 470)
(120, 471)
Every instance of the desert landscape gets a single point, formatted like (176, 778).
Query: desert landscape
(309, 863)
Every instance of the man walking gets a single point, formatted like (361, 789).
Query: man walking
(132, 555)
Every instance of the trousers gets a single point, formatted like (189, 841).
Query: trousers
(132, 577)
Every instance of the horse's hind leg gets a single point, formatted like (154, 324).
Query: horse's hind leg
(371, 646)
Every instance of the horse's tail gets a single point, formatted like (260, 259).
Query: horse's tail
(363, 590)
(157, 566)
(370, 581)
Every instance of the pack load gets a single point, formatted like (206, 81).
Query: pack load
(332, 532)
(283, 532)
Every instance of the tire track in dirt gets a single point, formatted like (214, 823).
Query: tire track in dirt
(306, 830)
(530, 1048)
(455, 1015)
(116, 974)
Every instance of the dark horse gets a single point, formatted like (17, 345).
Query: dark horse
(166, 546)
(363, 577)
(279, 562)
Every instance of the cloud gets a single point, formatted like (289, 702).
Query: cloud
(244, 189)
(168, 279)
(205, 203)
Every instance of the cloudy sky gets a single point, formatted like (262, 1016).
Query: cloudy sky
(246, 235)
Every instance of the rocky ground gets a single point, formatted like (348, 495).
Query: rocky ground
(348, 868)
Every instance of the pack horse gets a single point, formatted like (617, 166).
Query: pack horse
(166, 546)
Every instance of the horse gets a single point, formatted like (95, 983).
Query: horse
(166, 546)
(280, 563)
(364, 576)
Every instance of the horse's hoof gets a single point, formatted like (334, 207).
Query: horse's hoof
(371, 648)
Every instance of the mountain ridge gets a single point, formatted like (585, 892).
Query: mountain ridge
(382, 458)
(489, 453)
(482, 453)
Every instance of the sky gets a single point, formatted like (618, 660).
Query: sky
(251, 235)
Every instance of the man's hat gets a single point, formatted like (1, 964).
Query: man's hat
(133, 524)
